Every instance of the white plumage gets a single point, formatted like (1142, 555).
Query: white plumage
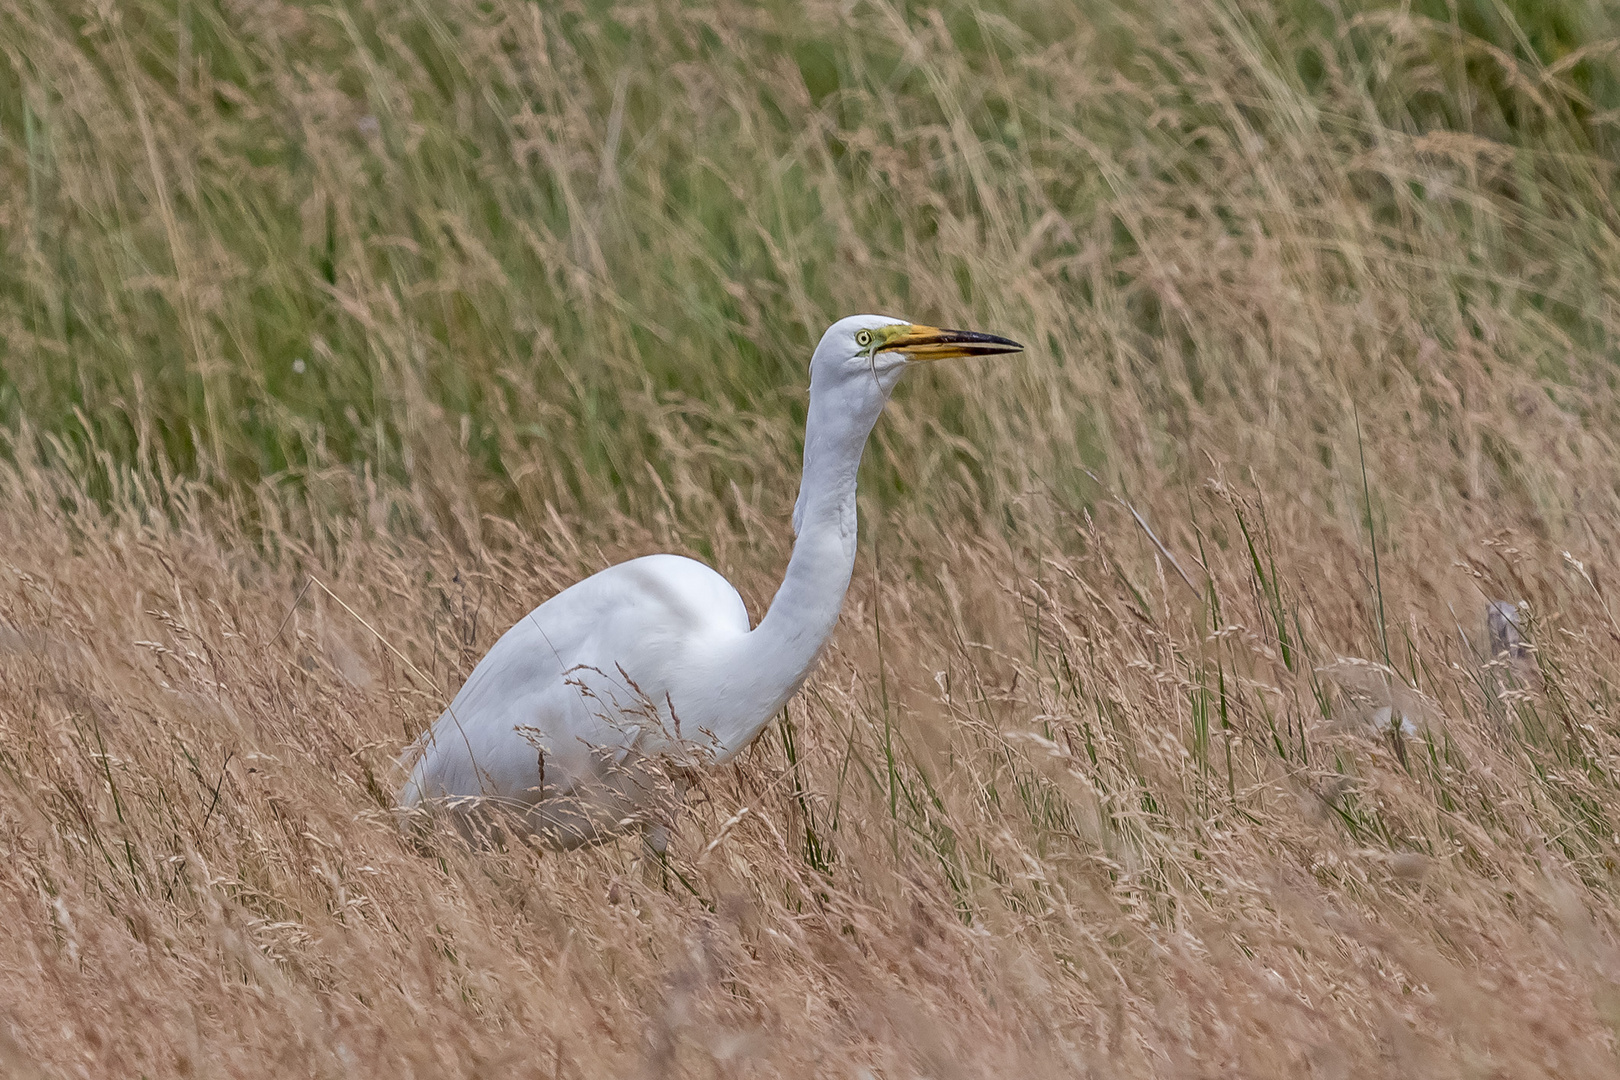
(585, 718)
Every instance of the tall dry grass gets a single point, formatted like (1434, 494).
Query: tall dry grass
(1056, 817)
(451, 304)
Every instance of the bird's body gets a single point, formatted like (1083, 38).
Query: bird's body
(585, 717)
(559, 721)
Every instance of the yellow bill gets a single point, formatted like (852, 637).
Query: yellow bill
(933, 343)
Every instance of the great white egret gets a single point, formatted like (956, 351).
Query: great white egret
(585, 718)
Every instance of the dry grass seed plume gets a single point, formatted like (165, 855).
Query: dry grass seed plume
(545, 306)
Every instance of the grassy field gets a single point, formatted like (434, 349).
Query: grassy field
(447, 305)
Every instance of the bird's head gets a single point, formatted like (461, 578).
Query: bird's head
(876, 349)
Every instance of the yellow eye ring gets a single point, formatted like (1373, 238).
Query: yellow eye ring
(863, 338)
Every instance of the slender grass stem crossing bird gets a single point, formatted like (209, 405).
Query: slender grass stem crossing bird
(587, 718)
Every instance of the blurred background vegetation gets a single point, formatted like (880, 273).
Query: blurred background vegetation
(529, 258)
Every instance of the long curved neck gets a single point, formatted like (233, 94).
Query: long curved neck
(770, 663)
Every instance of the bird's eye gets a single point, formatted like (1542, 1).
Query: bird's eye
(863, 338)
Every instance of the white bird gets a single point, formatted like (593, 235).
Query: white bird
(585, 719)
